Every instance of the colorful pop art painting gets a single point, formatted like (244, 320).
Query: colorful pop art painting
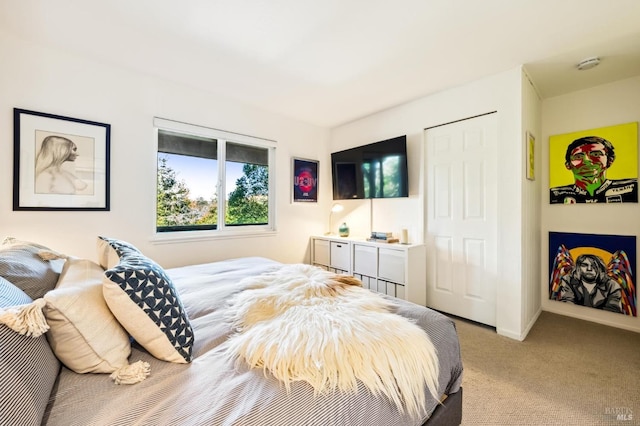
(594, 166)
(591, 270)
(305, 180)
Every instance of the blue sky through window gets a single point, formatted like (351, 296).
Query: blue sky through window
(200, 174)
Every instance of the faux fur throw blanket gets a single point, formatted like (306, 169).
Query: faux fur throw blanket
(304, 323)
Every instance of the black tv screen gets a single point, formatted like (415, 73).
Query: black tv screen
(377, 170)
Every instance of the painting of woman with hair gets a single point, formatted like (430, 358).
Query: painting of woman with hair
(52, 174)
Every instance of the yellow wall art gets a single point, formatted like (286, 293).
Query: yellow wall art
(594, 166)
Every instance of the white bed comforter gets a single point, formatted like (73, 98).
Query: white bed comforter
(213, 391)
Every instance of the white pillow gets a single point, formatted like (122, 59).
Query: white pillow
(143, 299)
(83, 332)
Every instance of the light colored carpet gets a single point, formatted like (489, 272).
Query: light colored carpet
(566, 372)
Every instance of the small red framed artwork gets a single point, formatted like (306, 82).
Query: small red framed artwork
(305, 180)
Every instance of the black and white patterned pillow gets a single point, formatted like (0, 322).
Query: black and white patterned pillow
(143, 299)
(28, 368)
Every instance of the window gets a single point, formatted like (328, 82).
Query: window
(197, 164)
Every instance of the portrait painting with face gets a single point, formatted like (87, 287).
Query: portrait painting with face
(594, 271)
(64, 164)
(594, 166)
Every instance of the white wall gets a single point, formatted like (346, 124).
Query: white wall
(531, 116)
(606, 105)
(501, 93)
(52, 81)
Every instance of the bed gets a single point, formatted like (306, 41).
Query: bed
(202, 387)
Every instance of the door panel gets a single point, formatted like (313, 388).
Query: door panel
(461, 173)
(442, 267)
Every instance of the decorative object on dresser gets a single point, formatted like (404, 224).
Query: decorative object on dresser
(337, 207)
(404, 236)
(382, 237)
(343, 230)
(383, 241)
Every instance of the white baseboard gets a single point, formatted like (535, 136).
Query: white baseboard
(522, 335)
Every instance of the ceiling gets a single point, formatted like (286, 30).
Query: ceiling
(328, 62)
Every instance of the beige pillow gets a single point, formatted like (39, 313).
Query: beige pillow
(83, 332)
(107, 256)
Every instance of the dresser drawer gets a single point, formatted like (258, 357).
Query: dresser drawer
(391, 264)
(321, 252)
(397, 270)
(340, 255)
(365, 260)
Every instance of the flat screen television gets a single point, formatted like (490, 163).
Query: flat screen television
(376, 170)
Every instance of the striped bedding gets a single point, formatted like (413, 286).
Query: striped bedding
(209, 391)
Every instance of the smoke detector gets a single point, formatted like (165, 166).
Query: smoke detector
(587, 64)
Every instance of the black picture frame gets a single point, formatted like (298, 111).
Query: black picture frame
(305, 181)
(60, 163)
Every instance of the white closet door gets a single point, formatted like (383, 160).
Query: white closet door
(462, 210)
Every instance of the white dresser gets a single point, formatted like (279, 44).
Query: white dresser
(398, 270)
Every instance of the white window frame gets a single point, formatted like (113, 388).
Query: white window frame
(223, 137)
